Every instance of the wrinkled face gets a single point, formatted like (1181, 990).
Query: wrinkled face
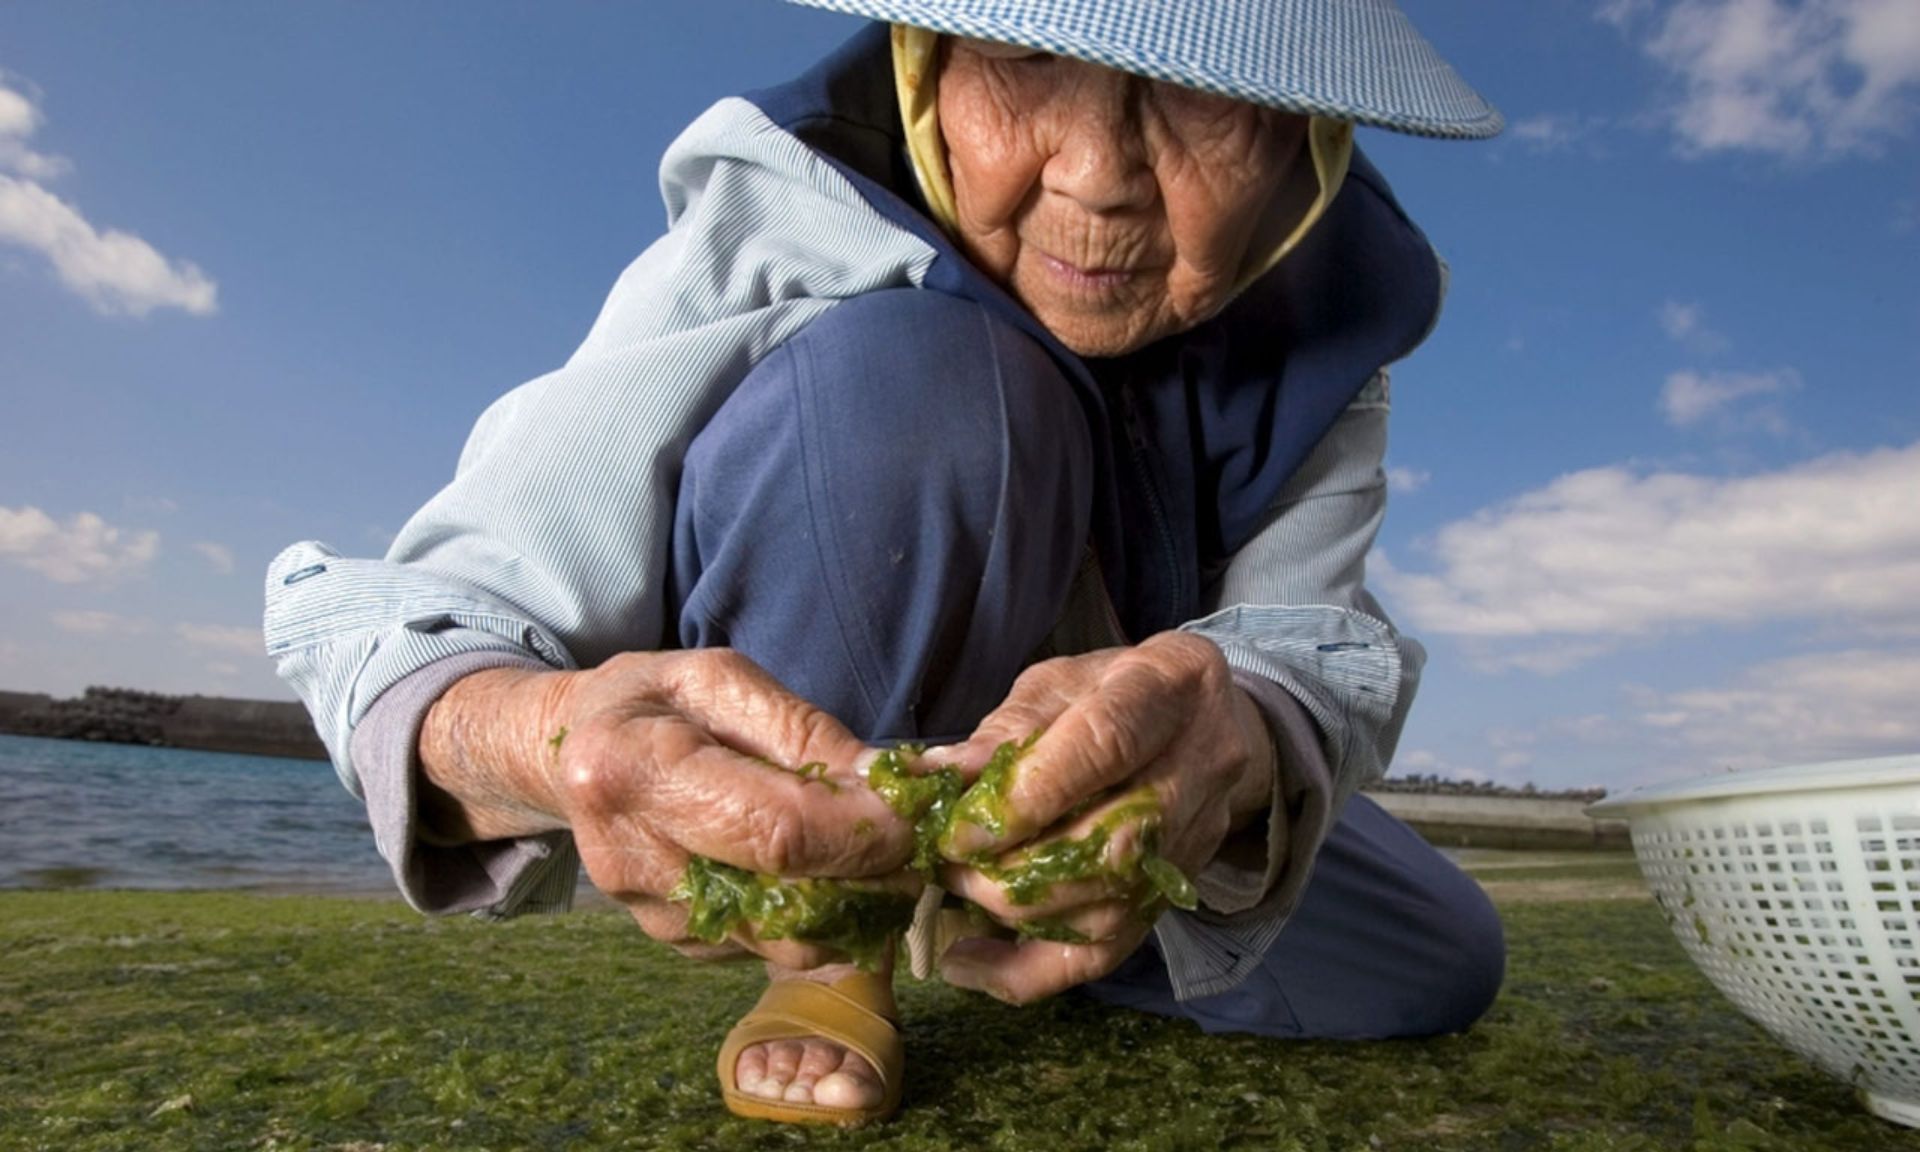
(1117, 209)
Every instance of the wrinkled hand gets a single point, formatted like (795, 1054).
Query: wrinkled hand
(654, 757)
(1162, 721)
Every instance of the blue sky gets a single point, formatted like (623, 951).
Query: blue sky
(1657, 475)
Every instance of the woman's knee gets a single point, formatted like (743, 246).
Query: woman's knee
(1475, 968)
(1390, 938)
(899, 487)
(896, 396)
(916, 389)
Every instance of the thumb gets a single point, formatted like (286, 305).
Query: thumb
(744, 707)
(795, 763)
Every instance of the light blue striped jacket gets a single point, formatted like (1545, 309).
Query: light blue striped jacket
(550, 543)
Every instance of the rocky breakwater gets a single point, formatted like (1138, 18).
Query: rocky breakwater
(126, 716)
(17, 704)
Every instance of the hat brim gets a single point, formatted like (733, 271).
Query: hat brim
(1357, 60)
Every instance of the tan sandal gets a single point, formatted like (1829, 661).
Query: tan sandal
(856, 1012)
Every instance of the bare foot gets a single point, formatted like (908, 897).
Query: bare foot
(810, 1071)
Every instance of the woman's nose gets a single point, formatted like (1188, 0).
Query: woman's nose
(1100, 157)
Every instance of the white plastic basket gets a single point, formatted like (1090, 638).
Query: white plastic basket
(1797, 891)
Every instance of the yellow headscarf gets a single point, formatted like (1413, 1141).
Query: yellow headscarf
(916, 54)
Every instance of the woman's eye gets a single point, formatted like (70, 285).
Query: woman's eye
(1202, 114)
(1192, 101)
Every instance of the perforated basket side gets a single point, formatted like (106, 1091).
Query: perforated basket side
(1805, 912)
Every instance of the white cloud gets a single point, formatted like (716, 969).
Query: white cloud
(1611, 553)
(1538, 129)
(1679, 320)
(1822, 706)
(1407, 479)
(1551, 754)
(18, 117)
(1622, 13)
(115, 271)
(152, 505)
(1818, 78)
(85, 548)
(223, 638)
(19, 120)
(1685, 324)
(218, 556)
(1548, 133)
(1690, 397)
(97, 623)
(1557, 132)
(1586, 728)
(1540, 660)
(1828, 705)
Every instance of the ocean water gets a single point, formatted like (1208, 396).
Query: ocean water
(80, 815)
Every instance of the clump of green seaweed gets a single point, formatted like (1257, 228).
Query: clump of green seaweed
(1144, 877)
(985, 804)
(862, 921)
(925, 799)
(839, 914)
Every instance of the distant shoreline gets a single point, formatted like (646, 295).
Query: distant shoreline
(199, 723)
(283, 728)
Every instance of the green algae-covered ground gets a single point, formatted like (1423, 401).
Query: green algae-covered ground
(209, 1021)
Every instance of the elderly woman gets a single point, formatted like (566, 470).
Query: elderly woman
(1019, 369)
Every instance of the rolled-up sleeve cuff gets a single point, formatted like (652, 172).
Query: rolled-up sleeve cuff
(1248, 892)
(492, 879)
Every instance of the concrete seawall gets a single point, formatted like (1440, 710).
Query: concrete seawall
(1520, 822)
(255, 727)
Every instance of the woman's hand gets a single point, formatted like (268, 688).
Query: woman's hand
(649, 759)
(1149, 747)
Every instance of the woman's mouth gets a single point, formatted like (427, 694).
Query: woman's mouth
(1085, 279)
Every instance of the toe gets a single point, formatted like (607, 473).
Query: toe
(820, 1058)
(750, 1069)
(852, 1086)
(783, 1061)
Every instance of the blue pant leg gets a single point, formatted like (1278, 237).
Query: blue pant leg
(887, 513)
(1389, 939)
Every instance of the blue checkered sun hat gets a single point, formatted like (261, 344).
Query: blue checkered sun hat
(1358, 60)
